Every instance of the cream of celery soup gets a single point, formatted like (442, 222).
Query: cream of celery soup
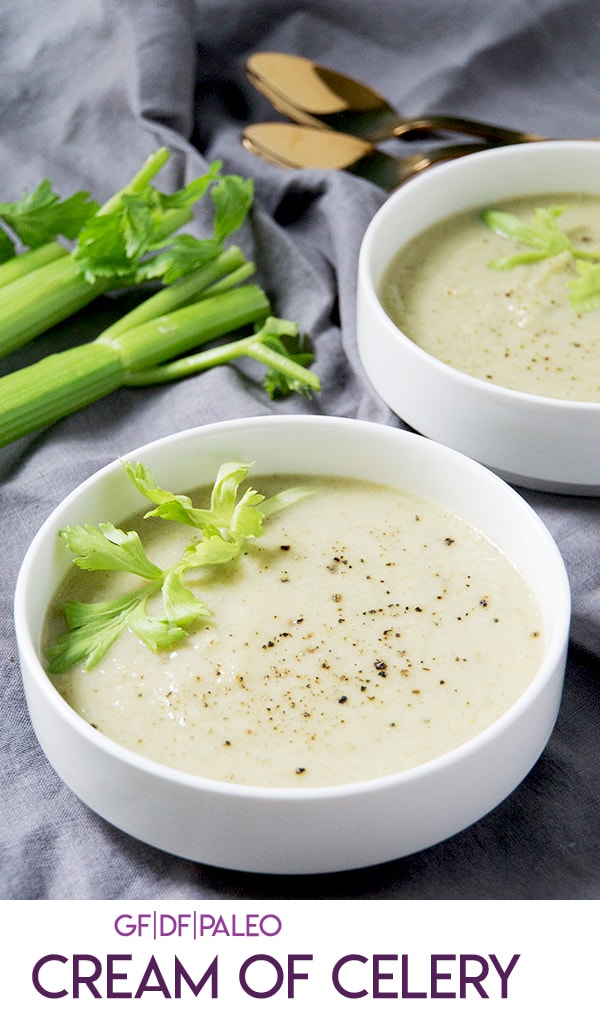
(366, 632)
(514, 328)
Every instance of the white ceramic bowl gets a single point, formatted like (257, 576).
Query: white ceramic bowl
(543, 443)
(308, 830)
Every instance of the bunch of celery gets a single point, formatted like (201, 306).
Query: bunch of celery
(132, 239)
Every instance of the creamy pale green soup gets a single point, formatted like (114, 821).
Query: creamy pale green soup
(368, 631)
(513, 328)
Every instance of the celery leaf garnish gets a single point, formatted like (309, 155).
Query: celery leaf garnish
(92, 629)
(233, 518)
(181, 605)
(584, 291)
(228, 518)
(108, 548)
(546, 239)
(542, 234)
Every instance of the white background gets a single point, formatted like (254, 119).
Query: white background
(555, 969)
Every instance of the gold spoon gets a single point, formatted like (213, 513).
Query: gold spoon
(295, 146)
(309, 93)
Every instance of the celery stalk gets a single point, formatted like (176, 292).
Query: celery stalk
(184, 290)
(153, 164)
(30, 260)
(42, 287)
(44, 392)
(254, 347)
(171, 334)
(44, 297)
(55, 387)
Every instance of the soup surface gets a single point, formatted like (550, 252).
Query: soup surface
(515, 328)
(367, 631)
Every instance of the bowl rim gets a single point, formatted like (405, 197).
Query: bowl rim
(557, 638)
(399, 196)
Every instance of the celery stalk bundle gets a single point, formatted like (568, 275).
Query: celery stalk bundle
(132, 239)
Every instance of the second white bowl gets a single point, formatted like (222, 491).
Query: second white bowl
(540, 442)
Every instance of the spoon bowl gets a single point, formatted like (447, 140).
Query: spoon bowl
(317, 96)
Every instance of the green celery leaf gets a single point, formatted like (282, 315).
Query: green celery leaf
(294, 349)
(181, 605)
(118, 240)
(185, 254)
(112, 244)
(41, 216)
(137, 223)
(232, 198)
(286, 498)
(512, 261)
(584, 291)
(548, 240)
(211, 551)
(231, 519)
(104, 547)
(144, 480)
(286, 354)
(175, 510)
(171, 506)
(155, 632)
(7, 247)
(225, 515)
(542, 233)
(93, 628)
(246, 520)
(225, 512)
(101, 250)
(193, 191)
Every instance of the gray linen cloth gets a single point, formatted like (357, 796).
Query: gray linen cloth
(87, 91)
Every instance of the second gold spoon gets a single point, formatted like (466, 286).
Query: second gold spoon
(309, 93)
(295, 146)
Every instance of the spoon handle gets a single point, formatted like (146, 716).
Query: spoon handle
(389, 172)
(459, 125)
